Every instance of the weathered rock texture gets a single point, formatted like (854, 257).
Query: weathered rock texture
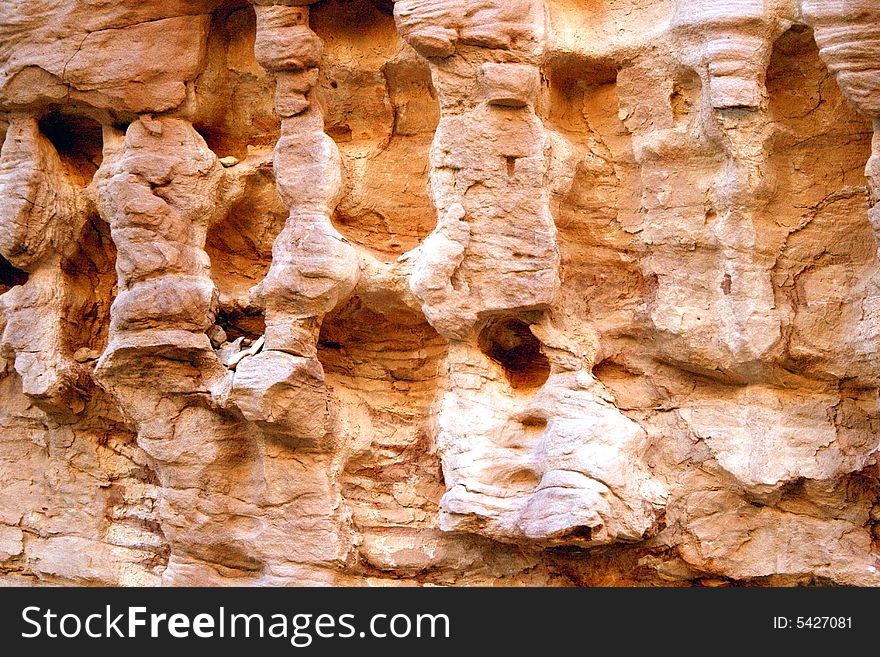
(509, 292)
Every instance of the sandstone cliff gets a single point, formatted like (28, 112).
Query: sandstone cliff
(505, 292)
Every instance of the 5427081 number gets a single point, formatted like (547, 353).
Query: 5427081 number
(813, 623)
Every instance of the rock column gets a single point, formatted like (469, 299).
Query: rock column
(313, 268)
(159, 188)
(41, 217)
(519, 464)
(729, 46)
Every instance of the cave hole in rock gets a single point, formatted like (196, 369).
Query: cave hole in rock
(510, 343)
(577, 88)
(90, 274)
(79, 141)
(213, 138)
(510, 162)
(381, 109)
(385, 6)
(235, 96)
(10, 276)
(533, 422)
(236, 117)
(240, 244)
(581, 533)
(397, 350)
(241, 323)
(389, 366)
(685, 97)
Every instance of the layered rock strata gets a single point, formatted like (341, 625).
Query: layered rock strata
(439, 292)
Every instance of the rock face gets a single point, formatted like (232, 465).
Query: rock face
(361, 292)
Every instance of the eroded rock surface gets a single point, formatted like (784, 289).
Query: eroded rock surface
(363, 292)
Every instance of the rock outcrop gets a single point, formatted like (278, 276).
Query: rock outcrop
(532, 292)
